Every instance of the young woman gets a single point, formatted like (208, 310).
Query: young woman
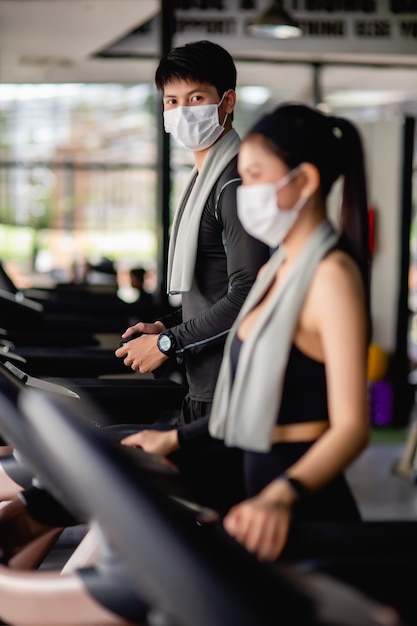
(291, 392)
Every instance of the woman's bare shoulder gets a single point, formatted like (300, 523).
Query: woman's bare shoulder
(337, 274)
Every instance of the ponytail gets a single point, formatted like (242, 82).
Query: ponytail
(354, 207)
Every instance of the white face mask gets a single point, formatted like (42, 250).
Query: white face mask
(261, 217)
(195, 127)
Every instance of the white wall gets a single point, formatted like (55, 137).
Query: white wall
(383, 148)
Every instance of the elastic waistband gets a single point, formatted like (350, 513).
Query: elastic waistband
(304, 431)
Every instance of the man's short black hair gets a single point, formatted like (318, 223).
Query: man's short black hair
(200, 61)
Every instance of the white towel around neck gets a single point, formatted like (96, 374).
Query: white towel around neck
(186, 223)
(244, 413)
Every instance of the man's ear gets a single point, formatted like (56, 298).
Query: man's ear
(309, 179)
(230, 100)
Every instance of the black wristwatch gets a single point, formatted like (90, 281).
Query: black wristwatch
(166, 343)
(297, 486)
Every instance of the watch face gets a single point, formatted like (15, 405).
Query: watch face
(164, 343)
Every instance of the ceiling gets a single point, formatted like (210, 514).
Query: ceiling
(65, 41)
(57, 40)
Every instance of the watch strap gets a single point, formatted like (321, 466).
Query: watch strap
(297, 486)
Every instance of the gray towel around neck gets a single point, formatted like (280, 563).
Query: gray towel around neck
(183, 241)
(244, 413)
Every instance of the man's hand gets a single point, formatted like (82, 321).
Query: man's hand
(145, 328)
(142, 354)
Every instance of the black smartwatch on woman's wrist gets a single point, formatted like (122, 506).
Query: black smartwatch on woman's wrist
(297, 486)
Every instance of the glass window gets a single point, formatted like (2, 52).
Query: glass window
(78, 177)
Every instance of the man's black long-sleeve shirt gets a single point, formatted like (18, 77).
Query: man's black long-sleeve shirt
(228, 260)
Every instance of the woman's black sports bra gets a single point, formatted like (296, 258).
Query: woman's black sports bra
(304, 397)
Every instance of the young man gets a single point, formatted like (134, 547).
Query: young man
(212, 262)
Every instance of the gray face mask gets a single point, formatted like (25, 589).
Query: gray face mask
(261, 217)
(195, 127)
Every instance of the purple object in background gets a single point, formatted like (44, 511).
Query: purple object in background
(380, 403)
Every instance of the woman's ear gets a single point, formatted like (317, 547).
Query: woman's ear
(309, 179)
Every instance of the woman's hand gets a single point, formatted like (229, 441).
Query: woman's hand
(261, 524)
(161, 442)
